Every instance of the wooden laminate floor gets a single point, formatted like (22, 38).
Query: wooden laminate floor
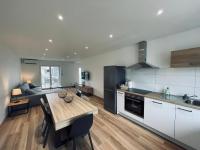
(109, 132)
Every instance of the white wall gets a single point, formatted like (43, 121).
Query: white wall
(9, 77)
(181, 81)
(125, 57)
(159, 55)
(32, 71)
(159, 50)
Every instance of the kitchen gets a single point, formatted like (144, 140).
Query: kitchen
(155, 97)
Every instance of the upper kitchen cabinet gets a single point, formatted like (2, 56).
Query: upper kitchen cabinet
(185, 58)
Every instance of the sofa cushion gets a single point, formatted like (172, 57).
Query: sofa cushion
(32, 86)
(30, 92)
(24, 87)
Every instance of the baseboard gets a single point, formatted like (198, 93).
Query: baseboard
(3, 120)
(98, 97)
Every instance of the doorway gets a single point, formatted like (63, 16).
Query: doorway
(50, 77)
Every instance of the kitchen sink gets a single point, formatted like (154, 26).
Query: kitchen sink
(193, 102)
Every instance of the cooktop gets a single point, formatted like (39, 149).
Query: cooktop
(139, 91)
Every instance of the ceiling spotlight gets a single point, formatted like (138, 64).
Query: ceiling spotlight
(110, 36)
(50, 41)
(44, 54)
(46, 49)
(160, 12)
(60, 17)
(86, 47)
(75, 53)
(67, 56)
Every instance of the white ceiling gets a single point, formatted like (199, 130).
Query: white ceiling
(26, 25)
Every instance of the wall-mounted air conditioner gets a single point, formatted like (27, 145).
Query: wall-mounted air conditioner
(29, 61)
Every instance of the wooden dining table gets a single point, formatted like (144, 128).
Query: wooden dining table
(63, 113)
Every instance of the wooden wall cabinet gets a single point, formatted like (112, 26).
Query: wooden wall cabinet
(185, 58)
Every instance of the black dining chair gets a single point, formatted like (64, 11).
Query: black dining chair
(44, 102)
(48, 121)
(80, 128)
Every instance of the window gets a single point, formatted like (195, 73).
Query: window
(79, 76)
(50, 76)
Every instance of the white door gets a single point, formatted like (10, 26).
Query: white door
(120, 101)
(160, 116)
(187, 126)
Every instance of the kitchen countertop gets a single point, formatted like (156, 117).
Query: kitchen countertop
(178, 100)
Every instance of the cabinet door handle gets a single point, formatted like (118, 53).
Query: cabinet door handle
(157, 102)
(184, 109)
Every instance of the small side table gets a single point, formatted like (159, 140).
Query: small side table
(23, 103)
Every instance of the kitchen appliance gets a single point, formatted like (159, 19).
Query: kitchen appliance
(134, 101)
(139, 91)
(134, 104)
(130, 84)
(142, 54)
(114, 76)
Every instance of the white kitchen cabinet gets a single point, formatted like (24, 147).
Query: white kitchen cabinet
(187, 126)
(120, 101)
(160, 116)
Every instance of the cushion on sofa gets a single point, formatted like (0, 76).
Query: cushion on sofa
(24, 87)
(32, 86)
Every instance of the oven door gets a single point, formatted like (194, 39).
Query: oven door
(134, 106)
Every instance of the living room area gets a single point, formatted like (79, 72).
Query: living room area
(22, 78)
(99, 74)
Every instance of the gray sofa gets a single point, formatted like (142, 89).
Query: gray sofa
(32, 92)
(35, 93)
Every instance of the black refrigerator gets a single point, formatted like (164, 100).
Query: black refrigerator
(114, 76)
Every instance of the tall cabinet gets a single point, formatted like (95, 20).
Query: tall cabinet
(113, 77)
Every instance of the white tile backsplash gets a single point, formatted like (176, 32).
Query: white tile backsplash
(197, 92)
(197, 77)
(180, 80)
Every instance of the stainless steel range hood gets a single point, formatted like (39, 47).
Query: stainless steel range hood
(142, 54)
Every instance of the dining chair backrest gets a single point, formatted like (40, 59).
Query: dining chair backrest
(81, 126)
(46, 110)
(44, 98)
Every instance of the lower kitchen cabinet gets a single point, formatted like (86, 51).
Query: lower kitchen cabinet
(187, 126)
(120, 101)
(160, 116)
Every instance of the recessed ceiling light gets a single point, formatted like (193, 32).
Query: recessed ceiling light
(50, 41)
(60, 17)
(67, 56)
(110, 36)
(44, 54)
(46, 49)
(86, 47)
(160, 12)
(75, 53)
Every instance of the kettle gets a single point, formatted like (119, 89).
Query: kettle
(130, 84)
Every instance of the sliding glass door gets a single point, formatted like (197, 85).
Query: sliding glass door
(50, 77)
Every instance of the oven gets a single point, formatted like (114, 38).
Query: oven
(134, 104)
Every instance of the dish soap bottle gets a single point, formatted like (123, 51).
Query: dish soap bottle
(167, 92)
